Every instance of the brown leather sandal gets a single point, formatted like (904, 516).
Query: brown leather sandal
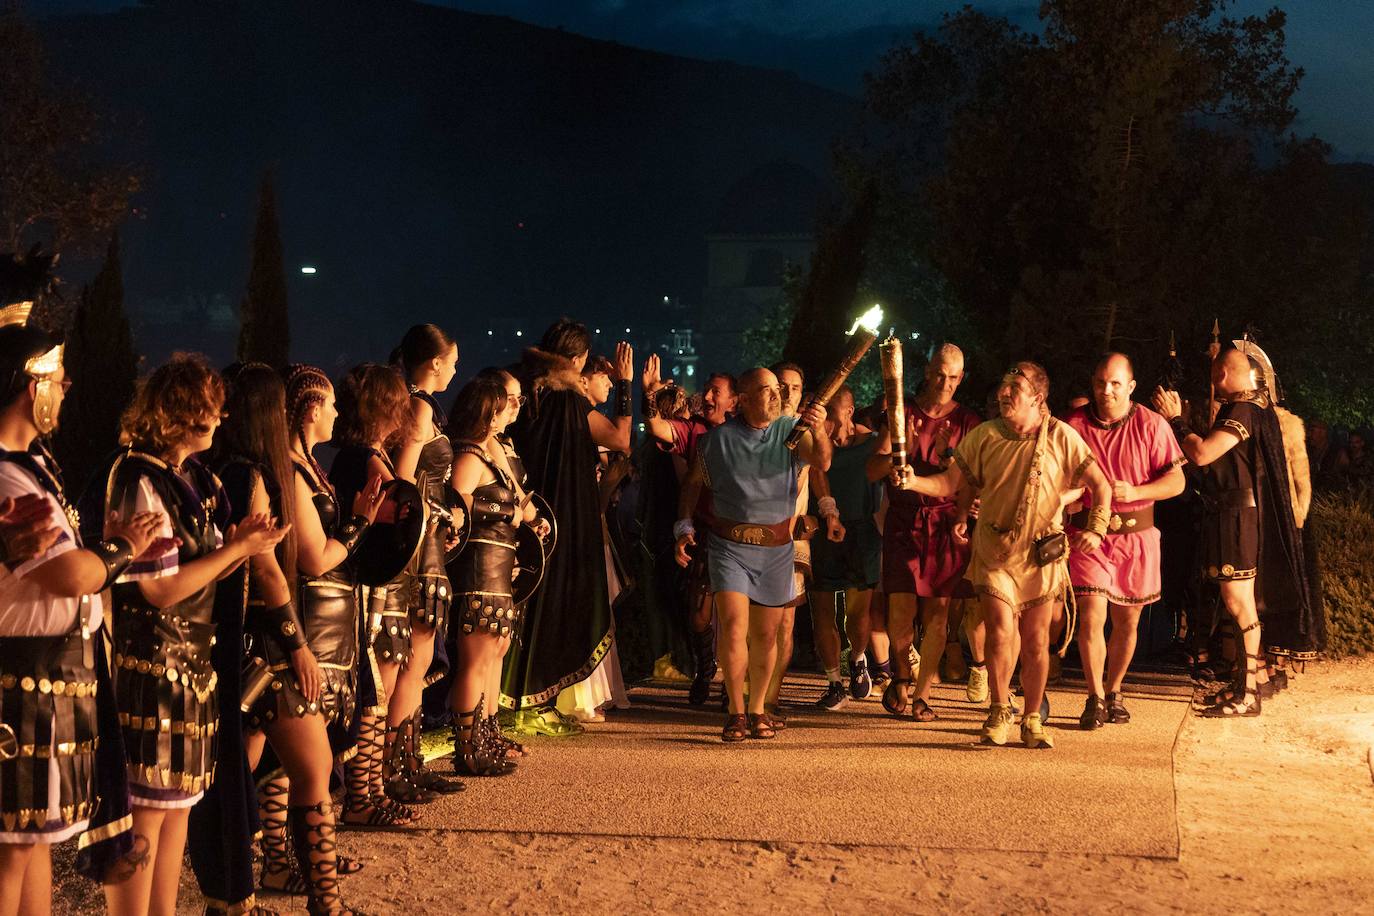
(736, 728)
(893, 701)
(921, 711)
(761, 726)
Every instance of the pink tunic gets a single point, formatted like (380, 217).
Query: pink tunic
(920, 555)
(1139, 449)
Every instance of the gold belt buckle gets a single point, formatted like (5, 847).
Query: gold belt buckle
(750, 534)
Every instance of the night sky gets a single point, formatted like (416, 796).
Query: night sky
(834, 43)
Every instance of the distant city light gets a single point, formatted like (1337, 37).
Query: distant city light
(915, 334)
(666, 300)
(490, 333)
(519, 333)
(627, 330)
(307, 269)
(598, 330)
(691, 370)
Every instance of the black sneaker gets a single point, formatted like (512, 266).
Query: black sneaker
(860, 683)
(1117, 714)
(1094, 714)
(834, 698)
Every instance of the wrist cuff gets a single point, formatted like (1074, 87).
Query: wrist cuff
(284, 625)
(683, 526)
(116, 553)
(622, 398)
(351, 532)
(826, 506)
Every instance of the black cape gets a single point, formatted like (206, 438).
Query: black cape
(1293, 623)
(567, 627)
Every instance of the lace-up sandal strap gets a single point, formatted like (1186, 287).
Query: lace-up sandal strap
(314, 835)
(736, 728)
(760, 726)
(280, 871)
(1245, 706)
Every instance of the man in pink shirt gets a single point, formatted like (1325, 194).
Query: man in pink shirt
(1137, 451)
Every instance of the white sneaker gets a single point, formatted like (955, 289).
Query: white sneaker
(977, 689)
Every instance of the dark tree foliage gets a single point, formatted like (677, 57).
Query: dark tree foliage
(54, 187)
(101, 362)
(1126, 173)
(264, 329)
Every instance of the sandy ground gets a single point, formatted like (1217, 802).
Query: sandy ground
(1276, 814)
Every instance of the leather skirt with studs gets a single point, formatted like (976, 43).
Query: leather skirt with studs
(482, 580)
(47, 706)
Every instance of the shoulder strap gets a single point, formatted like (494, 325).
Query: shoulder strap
(440, 418)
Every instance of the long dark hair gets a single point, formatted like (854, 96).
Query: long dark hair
(255, 428)
(306, 387)
(369, 397)
(420, 344)
(475, 407)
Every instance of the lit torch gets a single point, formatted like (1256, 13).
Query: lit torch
(890, 353)
(861, 337)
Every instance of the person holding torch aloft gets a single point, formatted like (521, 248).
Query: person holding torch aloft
(1023, 464)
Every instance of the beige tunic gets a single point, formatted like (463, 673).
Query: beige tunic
(996, 462)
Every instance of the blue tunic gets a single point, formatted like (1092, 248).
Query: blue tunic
(753, 478)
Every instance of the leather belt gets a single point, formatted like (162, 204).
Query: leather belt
(753, 533)
(1120, 522)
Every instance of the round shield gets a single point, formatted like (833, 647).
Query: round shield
(530, 561)
(391, 542)
(460, 524)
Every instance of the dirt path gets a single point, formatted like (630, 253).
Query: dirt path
(1276, 815)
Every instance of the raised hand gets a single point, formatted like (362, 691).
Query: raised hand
(257, 534)
(1167, 403)
(369, 499)
(624, 361)
(650, 377)
(814, 417)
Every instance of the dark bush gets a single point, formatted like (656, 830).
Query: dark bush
(1343, 521)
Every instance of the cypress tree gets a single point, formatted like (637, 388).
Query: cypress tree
(102, 364)
(264, 328)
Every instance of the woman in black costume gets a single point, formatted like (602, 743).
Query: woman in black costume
(429, 358)
(372, 412)
(306, 655)
(163, 620)
(487, 614)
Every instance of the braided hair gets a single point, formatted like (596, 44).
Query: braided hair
(306, 387)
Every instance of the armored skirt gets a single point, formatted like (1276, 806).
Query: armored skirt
(47, 704)
(483, 572)
(164, 683)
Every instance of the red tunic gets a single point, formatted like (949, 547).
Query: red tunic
(920, 555)
(1138, 449)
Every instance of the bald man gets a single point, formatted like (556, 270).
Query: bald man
(1136, 449)
(753, 479)
(925, 540)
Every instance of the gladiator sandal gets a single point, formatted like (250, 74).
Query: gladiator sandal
(704, 648)
(514, 749)
(362, 807)
(1244, 702)
(279, 870)
(1239, 672)
(396, 776)
(414, 762)
(473, 753)
(312, 834)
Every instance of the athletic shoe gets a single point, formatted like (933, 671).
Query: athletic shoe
(977, 689)
(834, 699)
(1033, 734)
(997, 728)
(860, 683)
(1094, 714)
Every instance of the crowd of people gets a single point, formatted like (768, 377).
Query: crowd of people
(252, 635)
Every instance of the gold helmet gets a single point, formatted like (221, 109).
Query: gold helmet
(28, 352)
(1266, 379)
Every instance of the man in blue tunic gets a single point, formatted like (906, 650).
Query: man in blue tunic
(752, 476)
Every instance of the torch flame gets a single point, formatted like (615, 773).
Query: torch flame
(869, 321)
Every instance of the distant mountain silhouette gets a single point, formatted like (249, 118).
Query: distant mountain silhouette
(431, 164)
